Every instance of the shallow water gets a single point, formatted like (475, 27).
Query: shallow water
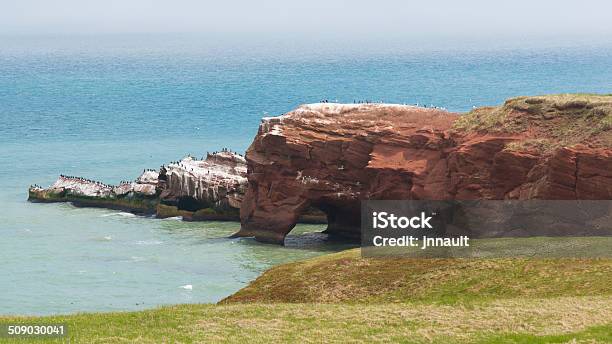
(94, 259)
(107, 107)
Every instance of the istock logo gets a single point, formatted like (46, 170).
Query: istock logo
(384, 220)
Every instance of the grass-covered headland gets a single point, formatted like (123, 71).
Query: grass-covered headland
(343, 297)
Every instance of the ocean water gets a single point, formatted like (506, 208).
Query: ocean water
(106, 107)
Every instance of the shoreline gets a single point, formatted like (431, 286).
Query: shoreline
(328, 307)
(269, 286)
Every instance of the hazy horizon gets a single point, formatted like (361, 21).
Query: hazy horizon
(312, 19)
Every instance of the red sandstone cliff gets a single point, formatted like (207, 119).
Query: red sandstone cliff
(332, 156)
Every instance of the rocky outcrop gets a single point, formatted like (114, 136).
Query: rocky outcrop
(332, 156)
(139, 197)
(208, 189)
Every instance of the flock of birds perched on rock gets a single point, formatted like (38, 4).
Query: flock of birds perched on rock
(367, 101)
(208, 154)
(124, 182)
(223, 150)
(85, 180)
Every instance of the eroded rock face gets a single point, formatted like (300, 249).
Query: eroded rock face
(332, 156)
(217, 182)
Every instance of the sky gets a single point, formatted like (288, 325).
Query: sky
(317, 18)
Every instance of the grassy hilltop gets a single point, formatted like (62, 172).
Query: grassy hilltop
(549, 121)
(342, 298)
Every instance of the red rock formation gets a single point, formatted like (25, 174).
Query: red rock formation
(332, 156)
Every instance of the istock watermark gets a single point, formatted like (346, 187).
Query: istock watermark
(509, 228)
(385, 220)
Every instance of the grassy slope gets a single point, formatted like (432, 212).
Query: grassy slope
(398, 300)
(346, 277)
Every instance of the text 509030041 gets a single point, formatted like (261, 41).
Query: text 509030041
(33, 330)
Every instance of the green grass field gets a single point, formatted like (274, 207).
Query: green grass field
(342, 297)
(549, 320)
(346, 277)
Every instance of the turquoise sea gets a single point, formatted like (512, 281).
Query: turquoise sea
(105, 107)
